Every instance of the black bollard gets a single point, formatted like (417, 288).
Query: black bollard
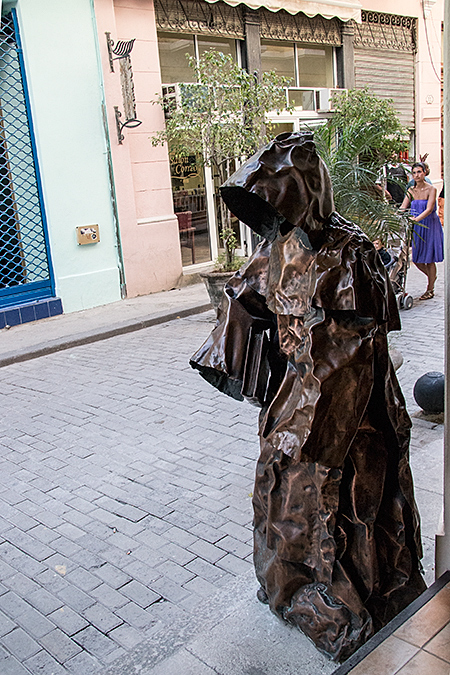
(429, 392)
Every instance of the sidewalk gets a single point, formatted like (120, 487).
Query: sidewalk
(37, 338)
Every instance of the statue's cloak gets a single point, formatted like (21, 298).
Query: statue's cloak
(302, 332)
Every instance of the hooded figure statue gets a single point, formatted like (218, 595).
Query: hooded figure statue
(302, 333)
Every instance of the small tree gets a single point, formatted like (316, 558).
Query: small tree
(222, 116)
(356, 143)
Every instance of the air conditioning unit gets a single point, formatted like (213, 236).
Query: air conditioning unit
(325, 99)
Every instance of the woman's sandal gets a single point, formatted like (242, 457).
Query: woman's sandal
(427, 295)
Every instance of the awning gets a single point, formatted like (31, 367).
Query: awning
(342, 9)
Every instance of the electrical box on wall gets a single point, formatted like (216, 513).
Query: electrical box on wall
(88, 234)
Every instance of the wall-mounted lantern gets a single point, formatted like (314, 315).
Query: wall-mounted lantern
(122, 51)
(130, 124)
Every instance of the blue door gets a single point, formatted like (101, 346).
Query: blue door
(25, 266)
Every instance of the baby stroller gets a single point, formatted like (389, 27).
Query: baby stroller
(398, 269)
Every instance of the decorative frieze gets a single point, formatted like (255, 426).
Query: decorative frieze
(300, 28)
(197, 16)
(386, 31)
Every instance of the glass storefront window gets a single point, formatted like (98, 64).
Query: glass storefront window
(172, 56)
(314, 63)
(279, 57)
(225, 45)
(189, 202)
(315, 66)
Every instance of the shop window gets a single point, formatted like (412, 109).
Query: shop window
(172, 56)
(189, 202)
(174, 49)
(315, 66)
(225, 45)
(279, 57)
(305, 65)
(188, 175)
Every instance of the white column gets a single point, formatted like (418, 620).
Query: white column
(443, 538)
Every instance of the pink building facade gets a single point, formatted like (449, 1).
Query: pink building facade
(347, 44)
(148, 227)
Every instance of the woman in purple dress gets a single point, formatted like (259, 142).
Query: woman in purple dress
(427, 239)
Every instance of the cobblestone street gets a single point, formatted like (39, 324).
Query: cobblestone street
(126, 487)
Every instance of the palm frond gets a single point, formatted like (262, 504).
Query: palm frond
(355, 163)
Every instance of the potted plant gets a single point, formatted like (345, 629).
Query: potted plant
(225, 266)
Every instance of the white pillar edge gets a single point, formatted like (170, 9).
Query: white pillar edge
(442, 552)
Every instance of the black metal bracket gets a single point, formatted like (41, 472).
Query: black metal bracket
(121, 50)
(130, 124)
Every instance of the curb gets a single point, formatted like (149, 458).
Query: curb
(89, 337)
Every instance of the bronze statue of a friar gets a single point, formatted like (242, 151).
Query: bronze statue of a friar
(302, 332)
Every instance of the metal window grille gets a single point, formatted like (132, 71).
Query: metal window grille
(25, 272)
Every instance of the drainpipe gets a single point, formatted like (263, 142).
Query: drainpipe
(112, 187)
(443, 538)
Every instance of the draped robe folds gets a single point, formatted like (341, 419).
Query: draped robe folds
(302, 333)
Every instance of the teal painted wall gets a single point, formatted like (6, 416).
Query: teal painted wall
(60, 52)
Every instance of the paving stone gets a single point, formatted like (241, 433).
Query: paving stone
(232, 545)
(83, 579)
(118, 653)
(21, 584)
(75, 598)
(234, 565)
(109, 597)
(43, 534)
(27, 544)
(34, 623)
(12, 605)
(83, 664)
(43, 601)
(210, 534)
(200, 586)
(206, 570)
(177, 553)
(60, 645)
(18, 643)
(66, 546)
(177, 573)
(244, 534)
(95, 642)
(100, 617)
(6, 625)
(207, 551)
(9, 665)
(43, 663)
(126, 636)
(136, 616)
(47, 518)
(120, 509)
(169, 590)
(53, 581)
(68, 620)
(61, 564)
(139, 594)
(112, 575)
(70, 531)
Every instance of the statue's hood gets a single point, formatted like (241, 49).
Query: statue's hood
(285, 184)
